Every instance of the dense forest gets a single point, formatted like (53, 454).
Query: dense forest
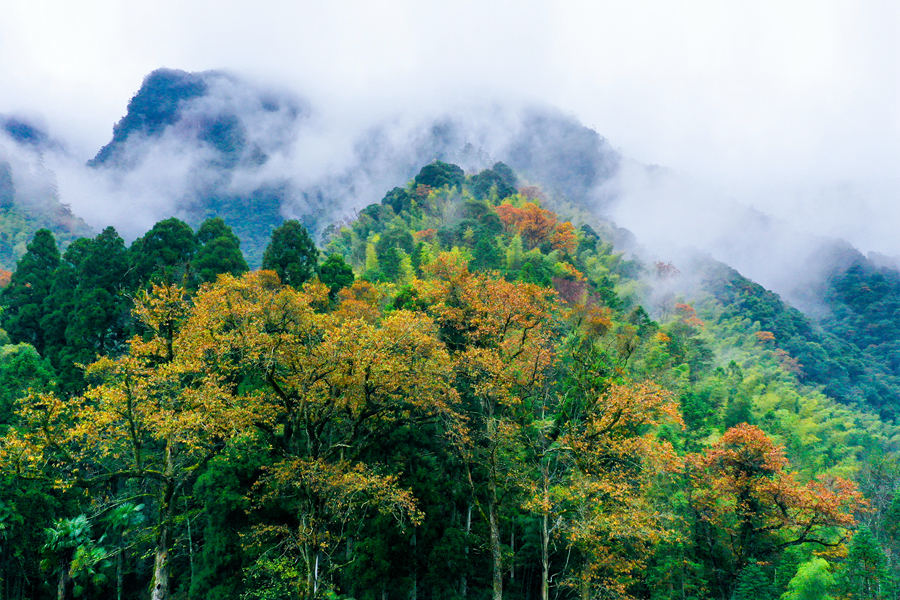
(465, 391)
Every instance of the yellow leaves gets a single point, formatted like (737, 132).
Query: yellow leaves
(619, 460)
(344, 490)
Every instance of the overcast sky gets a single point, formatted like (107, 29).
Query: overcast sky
(791, 106)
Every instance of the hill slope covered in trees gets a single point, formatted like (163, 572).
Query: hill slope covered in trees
(467, 393)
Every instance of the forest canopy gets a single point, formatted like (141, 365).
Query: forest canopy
(465, 392)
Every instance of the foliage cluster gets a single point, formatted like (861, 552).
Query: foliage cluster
(465, 399)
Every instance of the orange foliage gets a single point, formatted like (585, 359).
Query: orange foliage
(564, 238)
(535, 224)
(538, 226)
(764, 336)
(425, 234)
(4, 278)
(614, 521)
(741, 487)
(688, 315)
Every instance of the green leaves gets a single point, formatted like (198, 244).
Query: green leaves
(292, 254)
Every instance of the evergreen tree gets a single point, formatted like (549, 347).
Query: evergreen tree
(87, 312)
(163, 254)
(292, 254)
(21, 369)
(218, 251)
(864, 575)
(753, 584)
(486, 255)
(29, 285)
(336, 274)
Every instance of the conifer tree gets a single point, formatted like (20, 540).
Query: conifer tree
(753, 584)
(218, 251)
(336, 274)
(865, 574)
(23, 298)
(292, 254)
(163, 255)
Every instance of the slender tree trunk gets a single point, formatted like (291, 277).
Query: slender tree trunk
(512, 547)
(413, 594)
(160, 589)
(120, 560)
(545, 558)
(61, 584)
(190, 540)
(463, 582)
(496, 552)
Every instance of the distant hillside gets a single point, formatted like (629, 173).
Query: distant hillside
(241, 152)
(29, 199)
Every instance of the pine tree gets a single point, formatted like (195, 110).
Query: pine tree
(218, 251)
(753, 584)
(865, 575)
(163, 255)
(23, 298)
(336, 274)
(292, 254)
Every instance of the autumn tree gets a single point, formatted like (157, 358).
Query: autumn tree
(612, 518)
(749, 506)
(500, 336)
(324, 387)
(533, 223)
(153, 420)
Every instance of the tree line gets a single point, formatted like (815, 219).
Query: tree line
(463, 400)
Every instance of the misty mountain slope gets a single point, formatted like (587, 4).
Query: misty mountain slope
(24, 133)
(828, 352)
(195, 145)
(231, 148)
(29, 198)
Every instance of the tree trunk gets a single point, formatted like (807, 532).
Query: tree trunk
(413, 594)
(119, 568)
(496, 552)
(160, 585)
(161, 563)
(463, 581)
(61, 584)
(545, 558)
(512, 547)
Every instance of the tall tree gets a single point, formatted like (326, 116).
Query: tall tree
(750, 506)
(218, 251)
(499, 333)
(864, 574)
(87, 312)
(325, 387)
(155, 419)
(163, 254)
(292, 254)
(23, 298)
